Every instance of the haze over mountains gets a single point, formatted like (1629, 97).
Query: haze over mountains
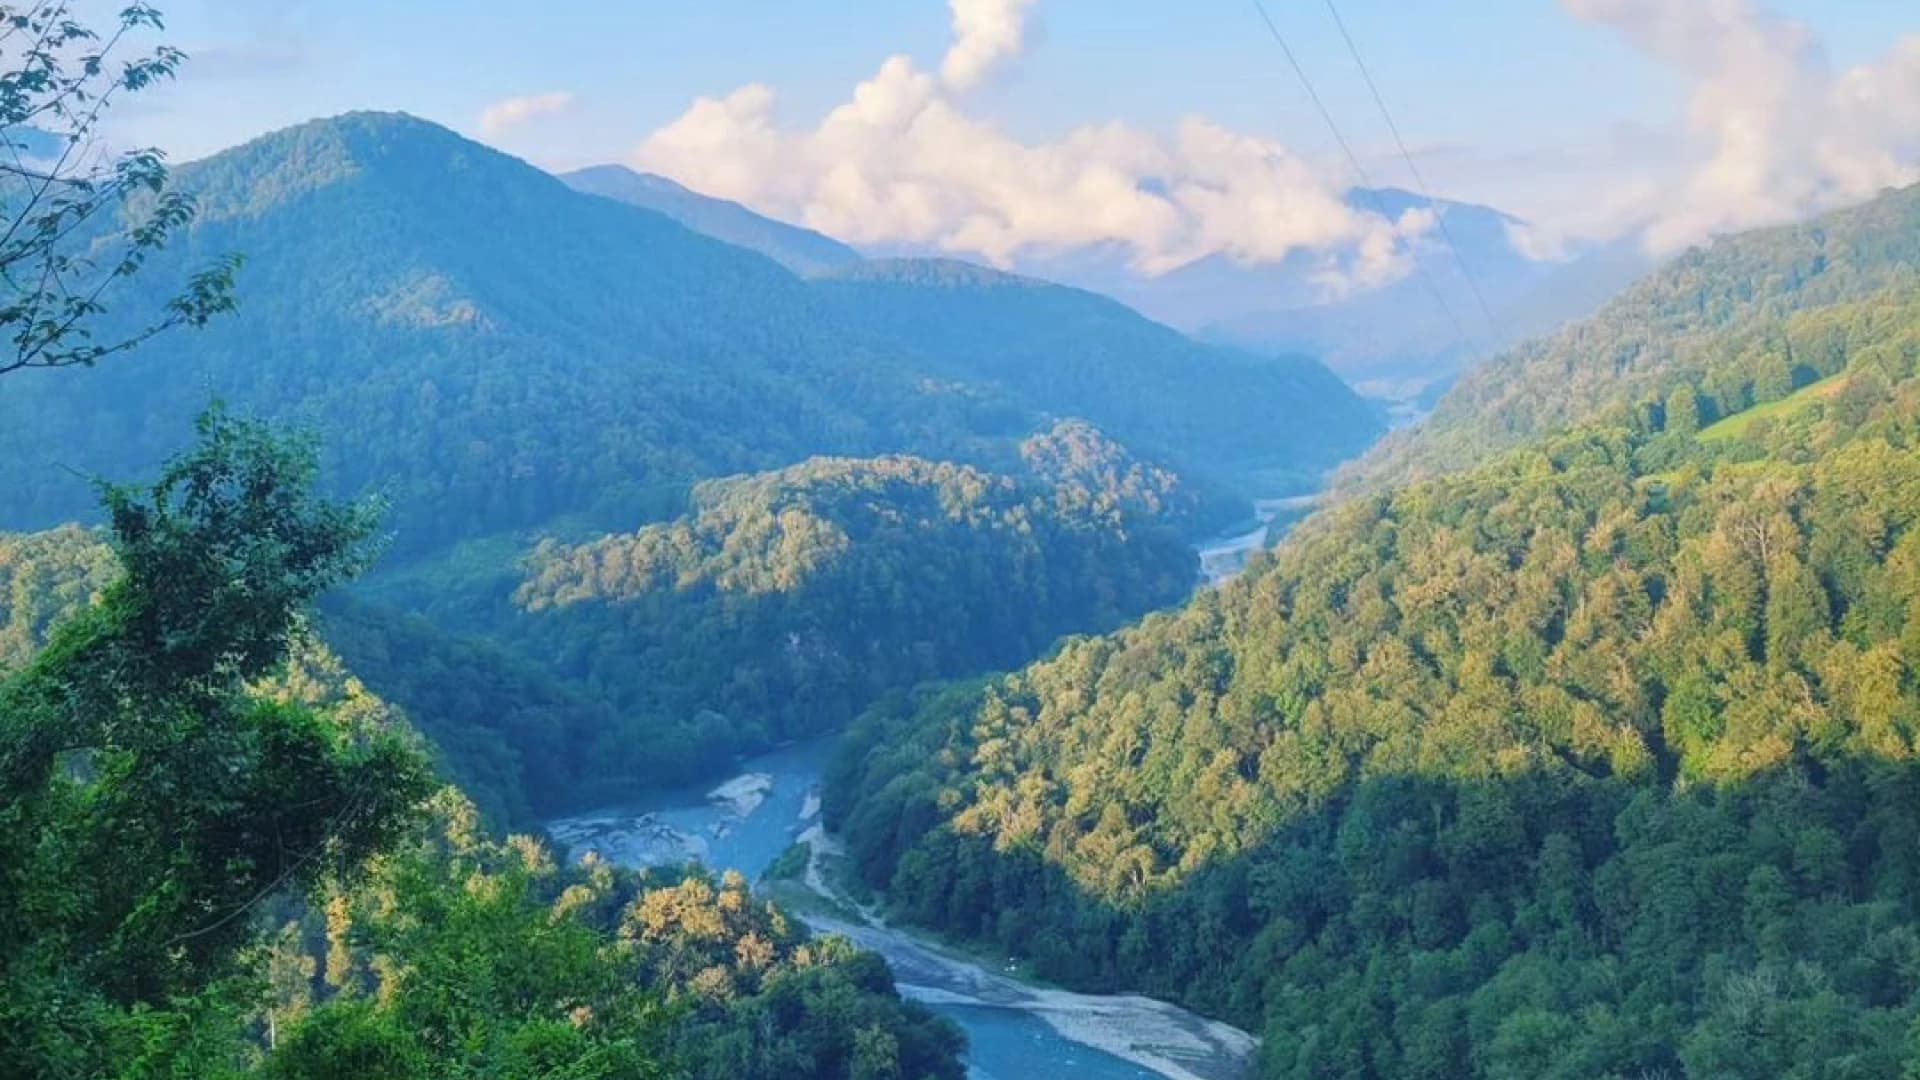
(802, 251)
(498, 350)
(1392, 340)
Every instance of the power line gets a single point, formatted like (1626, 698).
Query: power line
(1419, 180)
(1360, 170)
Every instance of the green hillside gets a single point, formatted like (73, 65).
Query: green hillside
(493, 350)
(1713, 318)
(1058, 348)
(1596, 760)
(776, 609)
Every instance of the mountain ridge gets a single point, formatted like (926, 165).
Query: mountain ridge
(799, 249)
(498, 350)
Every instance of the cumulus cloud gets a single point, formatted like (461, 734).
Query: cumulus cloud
(502, 116)
(985, 33)
(1774, 132)
(902, 163)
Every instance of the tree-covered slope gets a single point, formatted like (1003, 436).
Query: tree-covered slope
(577, 674)
(1596, 761)
(777, 608)
(467, 333)
(1072, 353)
(494, 350)
(802, 251)
(224, 858)
(1670, 328)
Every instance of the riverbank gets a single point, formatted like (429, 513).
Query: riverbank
(1017, 1031)
(1223, 558)
(1161, 1038)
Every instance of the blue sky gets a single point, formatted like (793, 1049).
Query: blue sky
(1500, 92)
(1498, 73)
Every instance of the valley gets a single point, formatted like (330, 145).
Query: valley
(961, 586)
(1013, 1028)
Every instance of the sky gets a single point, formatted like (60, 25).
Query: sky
(1000, 128)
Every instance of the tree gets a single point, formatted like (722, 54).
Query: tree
(77, 221)
(1683, 411)
(489, 983)
(150, 803)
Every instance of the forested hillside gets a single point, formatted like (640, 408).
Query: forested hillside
(494, 350)
(45, 577)
(776, 609)
(1596, 760)
(1714, 318)
(1057, 348)
(224, 856)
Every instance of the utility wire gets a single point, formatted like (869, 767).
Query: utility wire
(1419, 180)
(1360, 170)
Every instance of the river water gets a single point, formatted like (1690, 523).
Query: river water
(1014, 1031)
(1224, 557)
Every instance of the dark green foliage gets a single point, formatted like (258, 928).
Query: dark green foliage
(496, 351)
(784, 604)
(1714, 318)
(509, 733)
(1596, 761)
(149, 801)
(462, 956)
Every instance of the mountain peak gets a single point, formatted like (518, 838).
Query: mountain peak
(294, 162)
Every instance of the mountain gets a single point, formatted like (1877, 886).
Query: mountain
(1385, 338)
(802, 251)
(1712, 319)
(574, 960)
(496, 351)
(1055, 346)
(777, 608)
(1600, 758)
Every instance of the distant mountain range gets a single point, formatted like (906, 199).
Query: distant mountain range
(1392, 341)
(1706, 320)
(498, 351)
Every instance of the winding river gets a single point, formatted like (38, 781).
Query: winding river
(1222, 558)
(1015, 1031)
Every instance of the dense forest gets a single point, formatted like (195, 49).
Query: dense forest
(780, 606)
(1721, 308)
(1576, 738)
(1056, 346)
(1596, 760)
(495, 351)
(184, 767)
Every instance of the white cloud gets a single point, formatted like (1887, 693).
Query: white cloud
(1774, 133)
(902, 163)
(504, 115)
(985, 33)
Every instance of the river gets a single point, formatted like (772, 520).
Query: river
(1015, 1031)
(1224, 557)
